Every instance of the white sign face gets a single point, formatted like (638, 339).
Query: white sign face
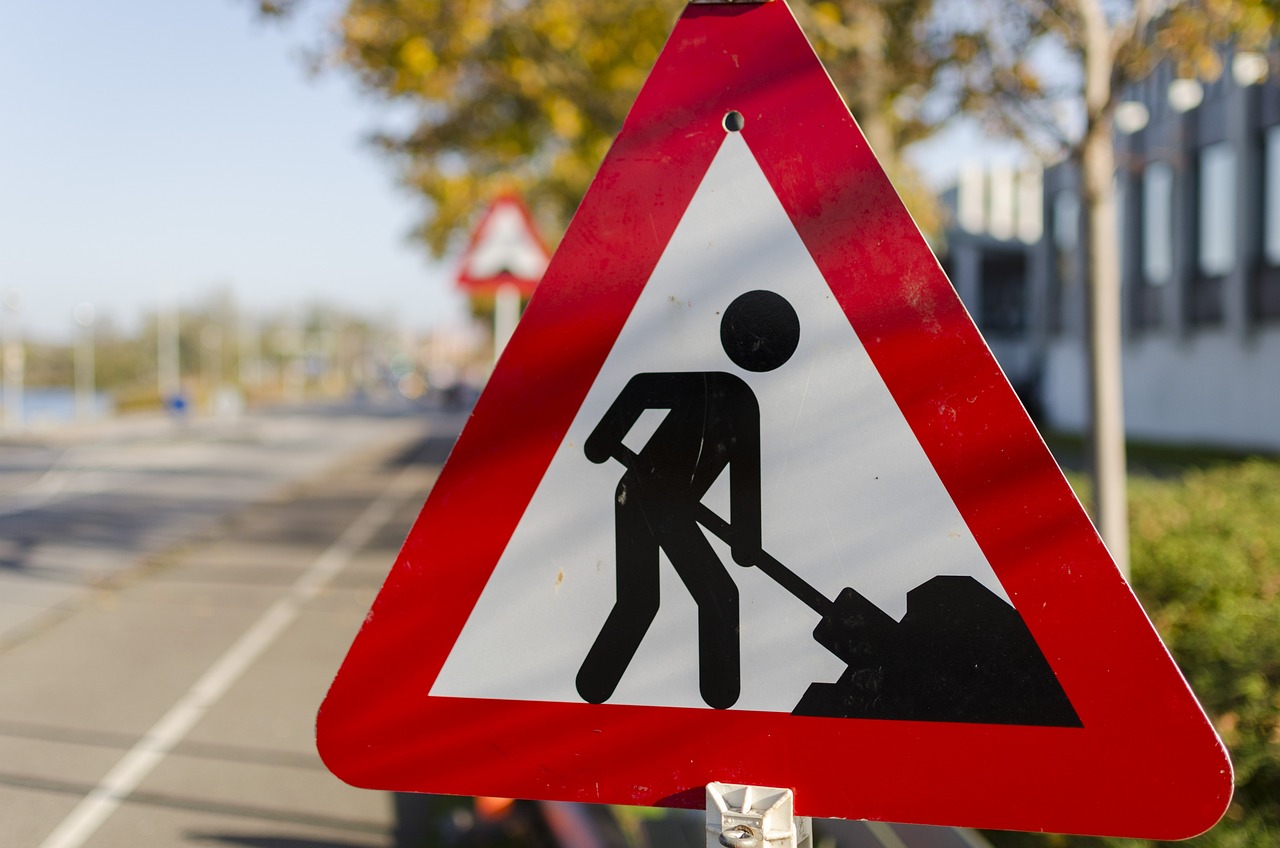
(848, 497)
(505, 245)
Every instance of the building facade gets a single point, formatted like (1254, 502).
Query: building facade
(1198, 189)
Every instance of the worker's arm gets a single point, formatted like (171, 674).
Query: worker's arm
(635, 398)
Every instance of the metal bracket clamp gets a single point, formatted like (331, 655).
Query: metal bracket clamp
(741, 816)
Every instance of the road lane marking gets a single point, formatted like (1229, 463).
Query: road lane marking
(885, 835)
(112, 791)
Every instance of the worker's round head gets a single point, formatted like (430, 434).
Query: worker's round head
(759, 330)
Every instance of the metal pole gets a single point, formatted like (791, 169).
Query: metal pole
(211, 364)
(14, 361)
(250, 353)
(168, 370)
(84, 315)
(293, 377)
(506, 313)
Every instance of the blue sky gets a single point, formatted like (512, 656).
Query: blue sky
(158, 149)
(151, 148)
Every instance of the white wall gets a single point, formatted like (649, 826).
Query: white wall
(1063, 391)
(1208, 388)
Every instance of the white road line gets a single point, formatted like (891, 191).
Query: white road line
(971, 837)
(133, 768)
(885, 835)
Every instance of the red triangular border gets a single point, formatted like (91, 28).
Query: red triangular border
(1146, 763)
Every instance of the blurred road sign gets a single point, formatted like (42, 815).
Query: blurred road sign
(741, 270)
(505, 250)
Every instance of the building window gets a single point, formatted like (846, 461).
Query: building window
(1066, 253)
(1157, 224)
(1217, 209)
(1066, 221)
(1267, 294)
(1271, 197)
(1153, 260)
(1004, 294)
(1216, 231)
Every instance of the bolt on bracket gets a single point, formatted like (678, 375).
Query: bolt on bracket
(740, 816)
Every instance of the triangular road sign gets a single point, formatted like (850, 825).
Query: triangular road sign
(892, 603)
(505, 250)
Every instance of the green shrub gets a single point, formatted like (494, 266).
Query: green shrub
(1205, 554)
(1206, 565)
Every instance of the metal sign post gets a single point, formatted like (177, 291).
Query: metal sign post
(741, 816)
(506, 313)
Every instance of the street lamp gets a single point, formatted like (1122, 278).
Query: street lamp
(1131, 116)
(1249, 68)
(1185, 94)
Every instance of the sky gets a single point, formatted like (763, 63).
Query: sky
(153, 151)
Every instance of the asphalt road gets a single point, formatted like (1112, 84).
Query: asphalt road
(204, 585)
(82, 506)
(173, 604)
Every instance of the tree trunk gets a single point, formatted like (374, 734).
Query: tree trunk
(1102, 287)
(1106, 392)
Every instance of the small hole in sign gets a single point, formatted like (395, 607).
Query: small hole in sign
(734, 122)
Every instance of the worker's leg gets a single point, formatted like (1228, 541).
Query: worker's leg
(635, 606)
(719, 671)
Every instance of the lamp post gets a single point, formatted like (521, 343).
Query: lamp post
(211, 362)
(506, 314)
(168, 373)
(84, 315)
(14, 359)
